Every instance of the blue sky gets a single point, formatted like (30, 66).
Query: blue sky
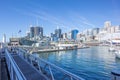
(18, 15)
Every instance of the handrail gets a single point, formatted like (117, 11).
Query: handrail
(12, 65)
(62, 70)
(72, 76)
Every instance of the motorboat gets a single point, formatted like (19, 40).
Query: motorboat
(111, 49)
(117, 53)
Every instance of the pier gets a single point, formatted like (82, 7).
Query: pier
(20, 65)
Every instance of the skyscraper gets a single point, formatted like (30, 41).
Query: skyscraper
(4, 38)
(58, 33)
(107, 24)
(31, 32)
(41, 32)
(74, 34)
(36, 31)
(95, 31)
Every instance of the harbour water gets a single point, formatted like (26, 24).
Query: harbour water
(94, 63)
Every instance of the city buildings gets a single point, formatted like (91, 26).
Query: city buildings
(64, 36)
(107, 24)
(107, 32)
(95, 31)
(74, 34)
(56, 35)
(36, 31)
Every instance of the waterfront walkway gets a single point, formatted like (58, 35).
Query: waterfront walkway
(16, 64)
(4, 75)
(28, 71)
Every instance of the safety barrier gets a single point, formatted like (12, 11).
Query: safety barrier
(50, 70)
(14, 71)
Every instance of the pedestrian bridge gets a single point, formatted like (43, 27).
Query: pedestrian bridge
(25, 66)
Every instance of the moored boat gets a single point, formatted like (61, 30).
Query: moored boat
(117, 53)
(111, 49)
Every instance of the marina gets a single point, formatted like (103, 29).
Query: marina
(60, 40)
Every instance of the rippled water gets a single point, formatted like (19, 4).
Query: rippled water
(94, 63)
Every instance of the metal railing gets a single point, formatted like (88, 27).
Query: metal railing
(14, 71)
(115, 75)
(50, 70)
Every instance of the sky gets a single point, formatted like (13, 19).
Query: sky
(18, 15)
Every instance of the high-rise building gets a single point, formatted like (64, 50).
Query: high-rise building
(54, 37)
(41, 32)
(36, 31)
(31, 32)
(74, 34)
(58, 33)
(69, 35)
(117, 28)
(95, 31)
(64, 35)
(107, 24)
(4, 38)
(28, 34)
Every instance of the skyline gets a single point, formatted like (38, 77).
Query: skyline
(66, 14)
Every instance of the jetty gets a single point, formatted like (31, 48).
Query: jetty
(17, 64)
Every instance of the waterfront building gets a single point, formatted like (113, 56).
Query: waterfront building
(64, 35)
(88, 32)
(36, 31)
(69, 34)
(54, 37)
(58, 33)
(74, 34)
(107, 24)
(109, 29)
(80, 37)
(112, 30)
(95, 31)
(28, 34)
(4, 38)
(31, 32)
(14, 41)
(117, 28)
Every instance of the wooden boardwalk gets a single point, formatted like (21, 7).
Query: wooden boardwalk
(28, 71)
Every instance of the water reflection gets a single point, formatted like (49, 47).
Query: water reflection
(93, 63)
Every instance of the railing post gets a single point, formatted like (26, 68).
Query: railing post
(12, 73)
(39, 65)
(51, 73)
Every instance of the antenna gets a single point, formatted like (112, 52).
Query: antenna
(37, 22)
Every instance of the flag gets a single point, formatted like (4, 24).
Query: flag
(19, 31)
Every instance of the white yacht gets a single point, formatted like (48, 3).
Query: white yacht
(111, 49)
(117, 53)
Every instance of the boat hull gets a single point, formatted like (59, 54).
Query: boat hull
(117, 53)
